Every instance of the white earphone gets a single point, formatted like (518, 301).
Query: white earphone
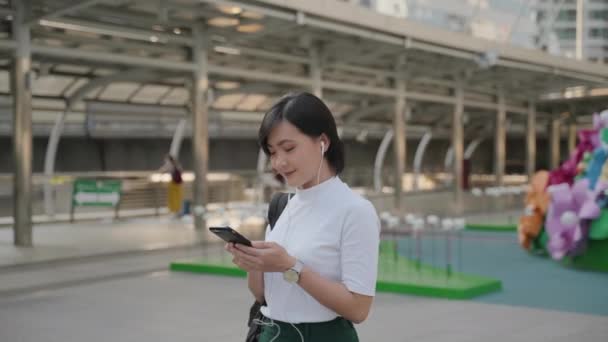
(322, 147)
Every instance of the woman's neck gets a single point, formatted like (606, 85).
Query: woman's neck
(326, 173)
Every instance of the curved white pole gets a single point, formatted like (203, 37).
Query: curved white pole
(49, 161)
(79, 94)
(262, 160)
(386, 142)
(178, 137)
(449, 158)
(472, 147)
(420, 150)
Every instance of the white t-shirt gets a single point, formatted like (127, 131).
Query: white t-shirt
(333, 231)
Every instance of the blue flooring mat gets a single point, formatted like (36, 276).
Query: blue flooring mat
(527, 280)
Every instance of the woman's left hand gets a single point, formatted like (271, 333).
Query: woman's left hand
(263, 256)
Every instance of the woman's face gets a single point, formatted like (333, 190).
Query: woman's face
(295, 155)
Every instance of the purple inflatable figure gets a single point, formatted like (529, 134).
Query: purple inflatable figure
(568, 216)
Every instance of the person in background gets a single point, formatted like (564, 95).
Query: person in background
(175, 192)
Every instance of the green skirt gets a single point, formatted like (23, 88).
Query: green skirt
(336, 330)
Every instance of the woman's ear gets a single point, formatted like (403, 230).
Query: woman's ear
(324, 143)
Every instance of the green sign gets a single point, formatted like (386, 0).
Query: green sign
(93, 192)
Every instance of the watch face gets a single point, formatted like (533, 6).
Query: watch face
(291, 276)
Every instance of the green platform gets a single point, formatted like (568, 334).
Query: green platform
(492, 227)
(595, 257)
(395, 274)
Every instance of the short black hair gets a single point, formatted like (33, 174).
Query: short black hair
(312, 117)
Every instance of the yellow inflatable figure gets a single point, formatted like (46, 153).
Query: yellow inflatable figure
(537, 200)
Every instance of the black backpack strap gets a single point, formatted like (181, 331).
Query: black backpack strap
(276, 206)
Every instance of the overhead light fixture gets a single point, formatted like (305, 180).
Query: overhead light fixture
(227, 85)
(154, 39)
(177, 30)
(227, 50)
(250, 28)
(573, 92)
(227, 9)
(223, 22)
(217, 38)
(598, 92)
(252, 15)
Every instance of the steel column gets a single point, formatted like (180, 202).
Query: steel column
(458, 140)
(555, 138)
(200, 129)
(400, 141)
(500, 139)
(316, 70)
(531, 140)
(571, 137)
(22, 127)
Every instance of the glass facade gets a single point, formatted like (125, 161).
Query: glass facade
(557, 21)
(498, 20)
(549, 25)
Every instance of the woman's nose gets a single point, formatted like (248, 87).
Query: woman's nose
(280, 162)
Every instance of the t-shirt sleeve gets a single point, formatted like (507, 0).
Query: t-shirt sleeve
(267, 232)
(359, 249)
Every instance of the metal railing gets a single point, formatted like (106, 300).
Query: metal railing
(145, 193)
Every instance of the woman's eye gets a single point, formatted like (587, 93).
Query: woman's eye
(289, 149)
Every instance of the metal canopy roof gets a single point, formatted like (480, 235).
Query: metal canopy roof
(143, 48)
(576, 102)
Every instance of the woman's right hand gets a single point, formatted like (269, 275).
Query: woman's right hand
(240, 262)
(255, 278)
(262, 256)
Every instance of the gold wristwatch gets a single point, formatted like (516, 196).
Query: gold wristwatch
(292, 275)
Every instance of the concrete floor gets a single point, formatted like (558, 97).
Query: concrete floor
(92, 282)
(164, 306)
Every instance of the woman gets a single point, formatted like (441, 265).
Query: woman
(317, 268)
(175, 192)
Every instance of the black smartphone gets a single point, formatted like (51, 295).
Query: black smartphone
(230, 235)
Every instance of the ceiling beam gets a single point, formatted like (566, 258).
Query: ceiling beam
(73, 7)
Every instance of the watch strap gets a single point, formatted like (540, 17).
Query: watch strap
(298, 266)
